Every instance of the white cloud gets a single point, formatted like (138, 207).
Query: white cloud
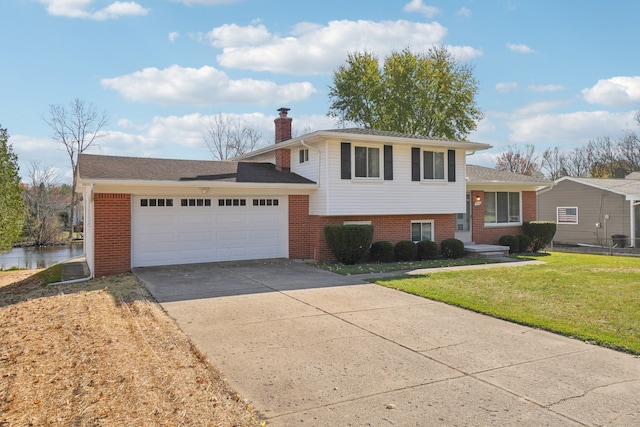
(546, 88)
(418, 6)
(519, 48)
(539, 107)
(232, 36)
(319, 49)
(202, 86)
(464, 11)
(571, 129)
(173, 36)
(504, 87)
(79, 9)
(616, 91)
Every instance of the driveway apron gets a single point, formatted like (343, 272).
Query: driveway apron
(313, 348)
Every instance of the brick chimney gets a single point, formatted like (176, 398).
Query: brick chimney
(283, 133)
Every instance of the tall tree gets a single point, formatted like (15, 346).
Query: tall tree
(578, 163)
(554, 163)
(228, 137)
(431, 94)
(76, 128)
(45, 200)
(12, 208)
(518, 159)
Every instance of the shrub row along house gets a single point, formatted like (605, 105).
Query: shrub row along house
(275, 201)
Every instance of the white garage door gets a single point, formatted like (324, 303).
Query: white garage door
(177, 230)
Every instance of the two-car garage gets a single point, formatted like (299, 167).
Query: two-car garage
(175, 230)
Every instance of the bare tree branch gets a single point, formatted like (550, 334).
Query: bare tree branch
(228, 137)
(77, 128)
(518, 159)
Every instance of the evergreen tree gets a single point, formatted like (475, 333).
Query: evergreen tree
(12, 208)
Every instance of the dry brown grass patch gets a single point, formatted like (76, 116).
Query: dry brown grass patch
(103, 353)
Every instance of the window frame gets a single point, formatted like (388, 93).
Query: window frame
(423, 165)
(368, 147)
(566, 222)
(303, 155)
(421, 222)
(497, 213)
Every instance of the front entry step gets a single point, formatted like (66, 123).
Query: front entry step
(486, 251)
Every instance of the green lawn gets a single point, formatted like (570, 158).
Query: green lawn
(595, 298)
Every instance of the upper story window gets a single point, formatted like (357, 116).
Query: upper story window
(304, 155)
(502, 207)
(367, 162)
(433, 165)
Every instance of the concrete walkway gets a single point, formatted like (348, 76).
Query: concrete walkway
(311, 348)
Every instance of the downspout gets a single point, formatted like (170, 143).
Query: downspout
(632, 225)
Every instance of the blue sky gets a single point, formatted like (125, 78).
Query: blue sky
(551, 73)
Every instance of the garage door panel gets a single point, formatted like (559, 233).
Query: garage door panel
(164, 235)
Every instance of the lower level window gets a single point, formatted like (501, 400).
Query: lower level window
(501, 207)
(421, 230)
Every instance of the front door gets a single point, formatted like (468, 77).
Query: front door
(463, 223)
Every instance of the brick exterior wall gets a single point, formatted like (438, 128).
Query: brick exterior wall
(311, 243)
(299, 221)
(112, 234)
(283, 133)
(491, 235)
(283, 159)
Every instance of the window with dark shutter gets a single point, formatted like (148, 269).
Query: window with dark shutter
(388, 162)
(451, 165)
(345, 160)
(415, 164)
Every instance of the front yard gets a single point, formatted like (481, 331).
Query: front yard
(102, 353)
(595, 298)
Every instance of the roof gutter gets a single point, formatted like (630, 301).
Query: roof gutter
(353, 137)
(193, 184)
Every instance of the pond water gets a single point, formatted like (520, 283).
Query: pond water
(39, 257)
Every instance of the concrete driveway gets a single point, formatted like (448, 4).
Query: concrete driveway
(309, 347)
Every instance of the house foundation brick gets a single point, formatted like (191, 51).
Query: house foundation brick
(112, 231)
(306, 232)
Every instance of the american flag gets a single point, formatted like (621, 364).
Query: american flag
(568, 215)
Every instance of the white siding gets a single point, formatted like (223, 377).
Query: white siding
(379, 197)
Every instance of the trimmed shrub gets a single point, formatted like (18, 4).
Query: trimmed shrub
(452, 248)
(427, 249)
(405, 250)
(348, 243)
(524, 242)
(511, 241)
(381, 251)
(540, 232)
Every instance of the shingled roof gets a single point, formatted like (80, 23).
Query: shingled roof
(481, 174)
(97, 167)
(363, 131)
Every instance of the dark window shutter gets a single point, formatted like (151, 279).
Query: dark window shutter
(388, 162)
(451, 165)
(415, 164)
(345, 160)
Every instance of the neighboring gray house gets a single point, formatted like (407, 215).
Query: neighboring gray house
(592, 210)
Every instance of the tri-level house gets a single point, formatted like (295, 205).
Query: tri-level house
(275, 202)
